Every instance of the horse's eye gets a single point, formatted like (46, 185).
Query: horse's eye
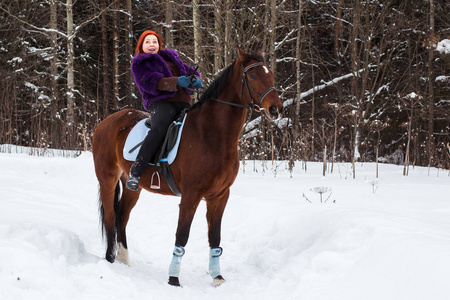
(251, 76)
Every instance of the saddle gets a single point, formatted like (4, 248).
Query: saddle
(166, 153)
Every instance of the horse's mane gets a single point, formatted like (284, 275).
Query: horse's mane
(218, 84)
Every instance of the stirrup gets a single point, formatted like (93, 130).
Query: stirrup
(158, 185)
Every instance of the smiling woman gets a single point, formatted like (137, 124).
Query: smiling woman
(141, 41)
(151, 44)
(162, 79)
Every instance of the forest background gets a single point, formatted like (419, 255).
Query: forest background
(359, 80)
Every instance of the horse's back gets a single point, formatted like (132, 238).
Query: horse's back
(111, 133)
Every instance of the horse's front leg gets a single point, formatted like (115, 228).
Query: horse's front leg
(188, 206)
(215, 208)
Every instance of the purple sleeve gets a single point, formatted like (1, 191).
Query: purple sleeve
(145, 79)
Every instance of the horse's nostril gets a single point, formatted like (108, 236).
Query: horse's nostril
(273, 110)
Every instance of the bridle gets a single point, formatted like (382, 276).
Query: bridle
(247, 84)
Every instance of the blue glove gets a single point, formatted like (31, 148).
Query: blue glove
(197, 83)
(183, 81)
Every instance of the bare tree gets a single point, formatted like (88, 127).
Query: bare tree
(272, 35)
(228, 48)
(54, 117)
(430, 85)
(168, 23)
(218, 37)
(70, 118)
(116, 62)
(338, 32)
(197, 32)
(105, 62)
(298, 49)
(409, 102)
(129, 50)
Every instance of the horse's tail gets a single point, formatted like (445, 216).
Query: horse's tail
(101, 211)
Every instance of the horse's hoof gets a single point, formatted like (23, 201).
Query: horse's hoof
(218, 281)
(174, 281)
(110, 258)
(122, 255)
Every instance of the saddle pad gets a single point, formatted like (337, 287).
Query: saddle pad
(137, 135)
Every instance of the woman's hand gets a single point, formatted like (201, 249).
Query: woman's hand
(197, 82)
(183, 81)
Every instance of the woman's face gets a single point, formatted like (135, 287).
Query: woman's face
(150, 44)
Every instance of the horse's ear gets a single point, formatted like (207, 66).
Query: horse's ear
(241, 52)
(259, 54)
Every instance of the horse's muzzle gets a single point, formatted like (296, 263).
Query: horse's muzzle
(274, 113)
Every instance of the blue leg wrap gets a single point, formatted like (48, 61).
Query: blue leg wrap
(174, 269)
(214, 264)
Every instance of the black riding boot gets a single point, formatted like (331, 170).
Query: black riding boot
(133, 183)
(147, 151)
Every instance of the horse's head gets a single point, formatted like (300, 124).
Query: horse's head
(258, 85)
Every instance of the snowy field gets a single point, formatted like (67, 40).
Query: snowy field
(385, 239)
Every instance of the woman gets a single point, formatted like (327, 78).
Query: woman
(162, 79)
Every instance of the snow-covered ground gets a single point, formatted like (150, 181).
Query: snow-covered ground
(393, 243)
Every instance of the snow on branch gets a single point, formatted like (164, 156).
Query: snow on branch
(443, 46)
(278, 45)
(50, 30)
(40, 29)
(284, 122)
(322, 86)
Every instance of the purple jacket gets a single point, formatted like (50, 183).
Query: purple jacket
(149, 68)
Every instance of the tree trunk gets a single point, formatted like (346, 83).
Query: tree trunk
(106, 65)
(354, 82)
(273, 26)
(337, 32)
(407, 159)
(197, 32)
(376, 163)
(266, 23)
(354, 52)
(70, 118)
(168, 24)
(218, 27)
(116, 15)
(333, 156)
(228, 28)
(54, 118)
(129, 52)
(298, 49)
(430, 85)
(313, 106)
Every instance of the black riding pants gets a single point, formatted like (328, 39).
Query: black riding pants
(161, 115)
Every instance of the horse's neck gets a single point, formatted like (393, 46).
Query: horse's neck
(222, 123)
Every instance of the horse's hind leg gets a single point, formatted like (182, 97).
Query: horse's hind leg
(127, 202)
(109, 194)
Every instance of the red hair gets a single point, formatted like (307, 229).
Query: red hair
(141, 41)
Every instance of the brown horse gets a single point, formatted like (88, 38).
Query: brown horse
(206, 165)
